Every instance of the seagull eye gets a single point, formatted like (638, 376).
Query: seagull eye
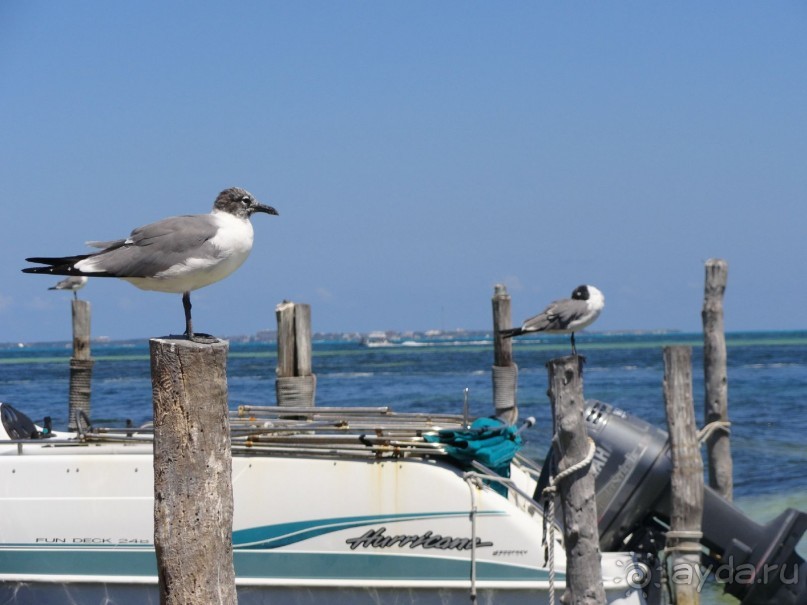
(245, 200)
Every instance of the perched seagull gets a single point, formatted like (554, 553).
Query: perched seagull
(565, 316)
(73, 284)
(178, 254)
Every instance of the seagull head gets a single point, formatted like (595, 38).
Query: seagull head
(240, 203)
(589, 293)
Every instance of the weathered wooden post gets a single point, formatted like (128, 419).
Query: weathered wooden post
(572, 447)
(718, 445)
(193, 493)
(295, 383)
(505, 370)
(683, 539)
(80, 364)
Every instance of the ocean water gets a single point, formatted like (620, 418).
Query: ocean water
(767, 374)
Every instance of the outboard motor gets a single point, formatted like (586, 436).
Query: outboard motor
(632, 465)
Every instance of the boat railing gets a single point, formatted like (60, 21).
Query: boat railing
(325, 431)
(369, 432)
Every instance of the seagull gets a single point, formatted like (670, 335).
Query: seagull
(177, 254)
(73, 284)
(565, 316)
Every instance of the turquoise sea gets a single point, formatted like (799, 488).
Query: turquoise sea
(767, 373)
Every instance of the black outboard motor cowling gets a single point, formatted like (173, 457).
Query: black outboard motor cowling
(632, 465)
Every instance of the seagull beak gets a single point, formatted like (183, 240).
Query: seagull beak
(256, 207)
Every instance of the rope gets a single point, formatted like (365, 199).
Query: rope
(690, 544)
(80, 389)
(717, 425)
(549, 514)
(296, 390)
(505, 387)
(690, 541)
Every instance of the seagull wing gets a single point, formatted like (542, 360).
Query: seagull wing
(556, 317)
(564, 312)
(154, 248)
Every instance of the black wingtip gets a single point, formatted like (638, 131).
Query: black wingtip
(50, 260)
(51, 268)
(64, 265)
(46, 270)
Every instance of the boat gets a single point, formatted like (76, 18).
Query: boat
(336, 505)
(366, 505)
(376, 340)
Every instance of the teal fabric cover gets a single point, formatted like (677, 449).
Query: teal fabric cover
(488, 441)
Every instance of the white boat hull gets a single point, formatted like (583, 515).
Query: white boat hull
(77, 526)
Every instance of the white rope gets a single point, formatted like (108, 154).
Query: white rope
(689, 545)
(692, 534)
(505, 387)
(549, 494)
(296, 390)
(706, 431)
(690, 541)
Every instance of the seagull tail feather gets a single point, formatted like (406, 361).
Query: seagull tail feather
(55, 266)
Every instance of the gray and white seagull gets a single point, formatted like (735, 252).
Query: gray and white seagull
(178, 254)
(73, 284)
(565, 316)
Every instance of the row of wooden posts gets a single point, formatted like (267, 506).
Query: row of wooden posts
(192, 446)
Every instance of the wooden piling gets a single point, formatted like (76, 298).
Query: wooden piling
(572, 446)
(718, 445)
(505, 370)
(683, 539)
(295, 383)
(81, 364)
(193, 494)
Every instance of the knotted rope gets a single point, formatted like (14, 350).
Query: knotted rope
(505, 387)
(717, 425)
(80, 380)
(296, 391)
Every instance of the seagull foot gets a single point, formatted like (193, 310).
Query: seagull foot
(197, 337)
(202, 339)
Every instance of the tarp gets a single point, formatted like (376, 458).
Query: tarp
(488, 441)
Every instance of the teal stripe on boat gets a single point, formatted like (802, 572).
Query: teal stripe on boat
(81, 561)
(87, 561)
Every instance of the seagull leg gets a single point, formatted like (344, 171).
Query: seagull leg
(200, 338)
(574, 348)
(186, 304)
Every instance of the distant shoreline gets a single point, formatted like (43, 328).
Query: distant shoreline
(397, 338)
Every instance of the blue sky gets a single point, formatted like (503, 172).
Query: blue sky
(418, 152)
